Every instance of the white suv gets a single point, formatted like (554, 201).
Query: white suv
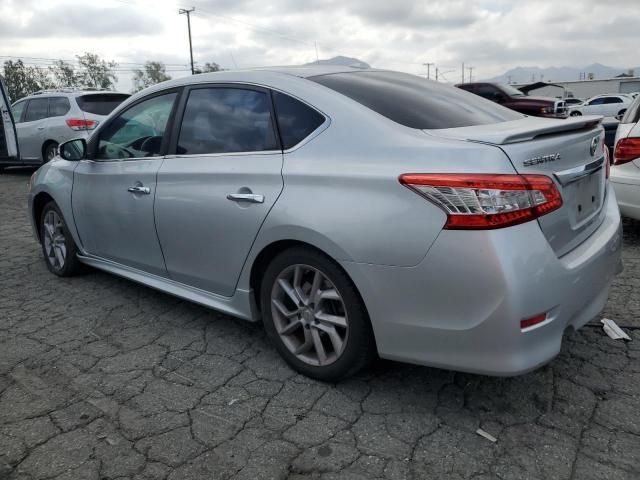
(50, 117)
(605, 105)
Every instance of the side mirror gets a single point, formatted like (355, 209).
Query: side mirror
(73, 150)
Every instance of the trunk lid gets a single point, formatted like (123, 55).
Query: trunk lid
(8, 137)
(570, 151)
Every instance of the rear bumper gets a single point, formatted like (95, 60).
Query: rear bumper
(461, 307)
(625, 180)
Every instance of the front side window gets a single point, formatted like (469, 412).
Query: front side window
(597, 101)
(137, 132)
(37, 109)
(226, 120)
(17, 110)
(295, 119)
(58, 106)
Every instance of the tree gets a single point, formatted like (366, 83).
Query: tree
(94, 72)
(64, 74)
(23, 80)
(154, 72)
(208, 67)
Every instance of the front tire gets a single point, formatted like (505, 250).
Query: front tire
(576, 114)
(315, 316)
(58, 247)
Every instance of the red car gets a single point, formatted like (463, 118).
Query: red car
(514, 99)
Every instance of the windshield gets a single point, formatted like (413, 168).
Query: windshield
(511, 91)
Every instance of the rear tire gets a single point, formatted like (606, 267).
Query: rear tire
(49, 151)
(576, 114)
(58, 246)
(325, 335)
(622, 112)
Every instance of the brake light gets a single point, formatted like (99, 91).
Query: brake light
(81, 124)
(627, 149)
(486, 201)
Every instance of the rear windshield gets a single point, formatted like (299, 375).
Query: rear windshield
(100, 104)
(415, 102)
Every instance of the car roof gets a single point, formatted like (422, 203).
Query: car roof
(70, 93)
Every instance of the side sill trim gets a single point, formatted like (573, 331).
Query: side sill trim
(238, 305)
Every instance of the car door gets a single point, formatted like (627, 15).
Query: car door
(612, 106)
(594, 107)
(31, 130)
(114, 190)
(8, 139)
(216, 188)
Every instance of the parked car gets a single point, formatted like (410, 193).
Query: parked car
(625, 172)
(50, 117)
(512, 98)
(605, 105)
(9, 153)
(354, 211)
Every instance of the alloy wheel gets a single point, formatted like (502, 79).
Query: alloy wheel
(309, 315)
(55, 245)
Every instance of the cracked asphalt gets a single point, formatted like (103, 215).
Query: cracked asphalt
(101, 378)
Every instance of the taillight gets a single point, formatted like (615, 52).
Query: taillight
(627, 149)
(81, 124)
(486, 201)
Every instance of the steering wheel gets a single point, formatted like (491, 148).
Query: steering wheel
(151, 145)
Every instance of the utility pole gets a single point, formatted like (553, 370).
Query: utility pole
(183, 11)
(463, 73)
(428, 65)
(436, 74)
(470, 73)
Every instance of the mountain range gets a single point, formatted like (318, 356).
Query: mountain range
(561, 74)
(519, 74)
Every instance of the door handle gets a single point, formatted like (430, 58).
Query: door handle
(246, 197)
(40, 128)
(139, 189)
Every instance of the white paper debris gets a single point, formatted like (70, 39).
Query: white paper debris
(486, 435)
(233, 400)
(613, 330)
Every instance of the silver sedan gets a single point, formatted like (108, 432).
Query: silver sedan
(355, 212)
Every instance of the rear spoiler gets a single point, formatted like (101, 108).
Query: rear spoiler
(518, 130)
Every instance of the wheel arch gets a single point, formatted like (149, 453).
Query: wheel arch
(269, 251)
(39, 202)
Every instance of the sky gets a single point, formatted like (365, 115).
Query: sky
(489, 35)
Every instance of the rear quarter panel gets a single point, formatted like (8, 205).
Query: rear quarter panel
(342, 194)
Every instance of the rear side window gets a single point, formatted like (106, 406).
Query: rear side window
(416, 102)
(100, 103)
(296, 120)
(58, 106)
(613, 100)
(225, 120)
(37, 109)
